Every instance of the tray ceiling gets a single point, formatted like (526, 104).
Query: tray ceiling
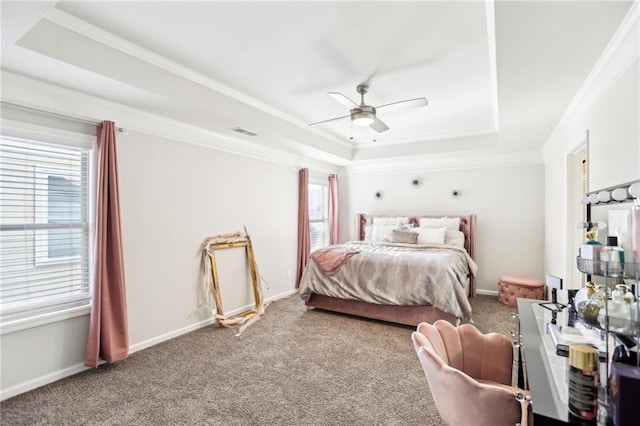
(498, 76)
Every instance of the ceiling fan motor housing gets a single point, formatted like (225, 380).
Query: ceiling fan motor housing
(362, 89)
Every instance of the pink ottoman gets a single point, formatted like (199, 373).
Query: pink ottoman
(511, 287)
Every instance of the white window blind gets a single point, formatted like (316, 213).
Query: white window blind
(45, 207)
(318, 215)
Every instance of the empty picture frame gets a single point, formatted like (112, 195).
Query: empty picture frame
(212, 282)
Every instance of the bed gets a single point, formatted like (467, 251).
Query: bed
(422, 294)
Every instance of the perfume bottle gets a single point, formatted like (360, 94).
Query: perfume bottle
(581, 297)
(592, 306)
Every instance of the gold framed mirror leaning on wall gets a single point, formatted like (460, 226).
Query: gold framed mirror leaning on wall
(211, 282)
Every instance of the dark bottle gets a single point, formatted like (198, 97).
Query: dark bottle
(583, 381)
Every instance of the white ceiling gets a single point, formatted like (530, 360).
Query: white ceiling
(498, 76)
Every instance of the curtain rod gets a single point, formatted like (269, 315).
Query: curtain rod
(56, 114)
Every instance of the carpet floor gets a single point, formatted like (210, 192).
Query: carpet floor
(293, 367)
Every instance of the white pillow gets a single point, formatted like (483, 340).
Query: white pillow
(368, 232)
(454, 238)
(452, 223)
(431, 235)
(390, 220)
(381, 232)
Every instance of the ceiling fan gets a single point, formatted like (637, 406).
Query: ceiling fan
(366, 115)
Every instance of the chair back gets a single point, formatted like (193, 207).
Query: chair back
(469, 374)
(481, 356)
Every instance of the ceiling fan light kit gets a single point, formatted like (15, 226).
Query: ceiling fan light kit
(363, 116)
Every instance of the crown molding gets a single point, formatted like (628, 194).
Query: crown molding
(39, 95)
(615, 60)
(429, 162)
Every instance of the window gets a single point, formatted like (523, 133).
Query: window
(58, 202)
(44, 227)
(318, 215)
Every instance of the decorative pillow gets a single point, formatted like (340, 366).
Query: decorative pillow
(390, 220)
(452, 223)
(407, 237)
(381, 232)
(454, 238)
(431, 235)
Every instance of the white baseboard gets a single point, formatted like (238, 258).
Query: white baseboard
(487, 292)
(78, 368)
(42, 380)
(168, 336)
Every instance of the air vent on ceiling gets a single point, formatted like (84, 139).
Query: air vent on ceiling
(243, 131)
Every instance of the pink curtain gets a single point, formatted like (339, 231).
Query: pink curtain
(304, 247)
(108, 334)
(333, 209)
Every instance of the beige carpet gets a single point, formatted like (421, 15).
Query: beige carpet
(293, 367)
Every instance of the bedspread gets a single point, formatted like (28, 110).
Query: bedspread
(396, 274)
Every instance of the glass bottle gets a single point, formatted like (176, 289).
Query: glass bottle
(592, 306)
(581, 297)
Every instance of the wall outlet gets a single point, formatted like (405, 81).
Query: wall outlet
(288, 273)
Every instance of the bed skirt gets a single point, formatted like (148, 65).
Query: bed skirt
(406, 315)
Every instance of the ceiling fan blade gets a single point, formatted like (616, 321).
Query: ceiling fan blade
(400, 105)
(342, 99)
(331, 119)
(379, 126)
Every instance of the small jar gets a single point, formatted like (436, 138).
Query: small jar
(583, 381)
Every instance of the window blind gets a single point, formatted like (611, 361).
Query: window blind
(318, 215)
(317, 233)
(45, 208)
